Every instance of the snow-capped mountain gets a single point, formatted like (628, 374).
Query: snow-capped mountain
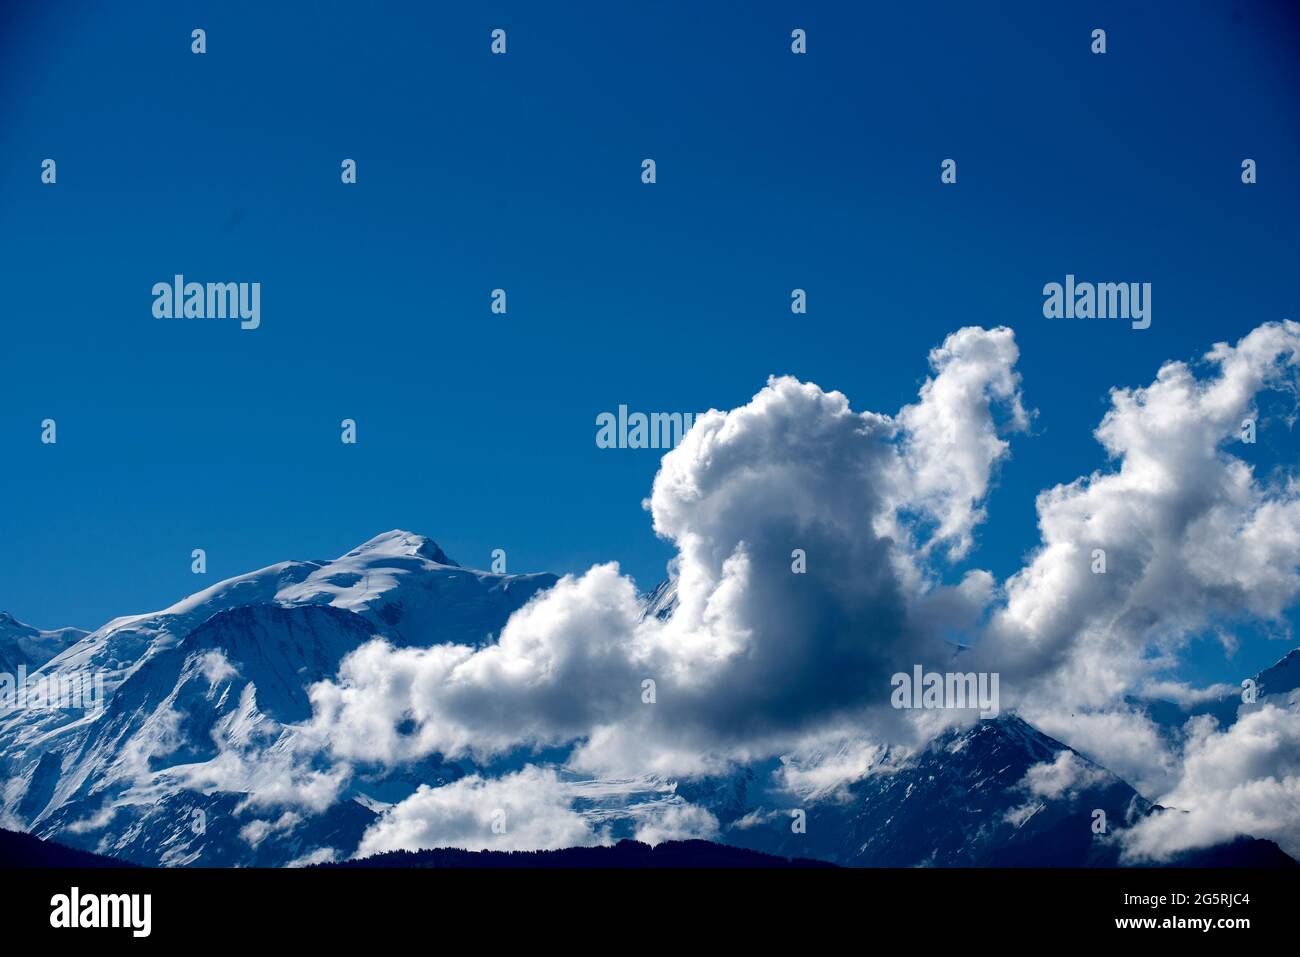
(1276, 684)
(201, 697)
(206, 734)
(967, 799)
(997, 794)
(29, 648)
(662, 602)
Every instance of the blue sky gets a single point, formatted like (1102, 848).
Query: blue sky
(775, 171)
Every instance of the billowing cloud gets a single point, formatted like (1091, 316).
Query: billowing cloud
(823, 767)
(810, 540)
(258, 830)
(800, 589)
(564, 663)
(1244, 779)
(269, 778)
(951, 437)
(1189, 536)
(1121, 738)
(527, 810)
(677, 822)
(1064, 775)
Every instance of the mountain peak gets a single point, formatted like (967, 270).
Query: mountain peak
(402, 544)
(21, 644)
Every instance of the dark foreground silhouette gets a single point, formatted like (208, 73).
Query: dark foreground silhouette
(18, 850)
(24, 850)
(622, 854)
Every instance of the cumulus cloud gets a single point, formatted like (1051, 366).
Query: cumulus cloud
(1061, 778)
(1066, 774)
(755, 656)
(267, 778)
(758, 659)
(528, 810)
(257, 831)
(677, 822)
(1244, 779)
(216, 667)
(951, 436)
(825, 768)
(1122, 739)
(1190, 536)
(562, 664)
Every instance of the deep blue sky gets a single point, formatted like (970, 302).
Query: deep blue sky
(523, 171)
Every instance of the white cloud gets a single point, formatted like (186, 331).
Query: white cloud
(758, 661)
(824, 768)
(1122, 739)
(677, 822)
(257, 831)
(1061, 778)
(563, 662)
(216, 667)
(1066, 774)
(322, 855)
(951, 440)
(1191, 537)
(1184, 694)
(267, 777)
(528, 810)
(755, 657)
(1241, 780)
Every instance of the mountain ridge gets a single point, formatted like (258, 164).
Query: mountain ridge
(176, 767)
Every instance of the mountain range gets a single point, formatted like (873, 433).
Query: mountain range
(205, 698)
